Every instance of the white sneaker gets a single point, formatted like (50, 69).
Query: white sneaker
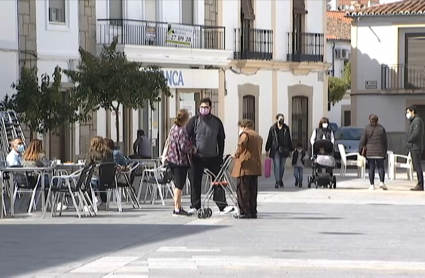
(61, 206)
(383, 186)
(371, 187)
(192, 211)
(228, 209)
(87, 208)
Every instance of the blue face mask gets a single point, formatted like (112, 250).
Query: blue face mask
(20, 148)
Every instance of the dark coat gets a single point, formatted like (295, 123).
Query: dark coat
(272, 143)
(415, 135)
(374, 138)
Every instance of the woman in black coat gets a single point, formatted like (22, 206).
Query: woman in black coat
(373, 145)
(279, 146)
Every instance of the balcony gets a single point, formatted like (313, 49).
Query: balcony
(140, 32)
(253, 44)
(402, 77)
(306, 47)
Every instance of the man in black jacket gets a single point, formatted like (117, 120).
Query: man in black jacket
(415, 144)
(279, 144)
(206, 132)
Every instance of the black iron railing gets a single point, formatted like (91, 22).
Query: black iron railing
(256, 44)
(306, 47)
(140, 32)
(395, 77)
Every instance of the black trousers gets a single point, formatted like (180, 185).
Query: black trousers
(373, 164)
(416, 159)
(247, 191)
(196, 173)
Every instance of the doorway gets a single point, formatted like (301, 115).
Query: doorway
(299, 123)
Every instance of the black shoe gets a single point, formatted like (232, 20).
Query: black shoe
(276, 185)
(300, 185)
(281, 184)
(181, 212)
(254, 216)
(417, 188)
(241, 216)
(296, 184)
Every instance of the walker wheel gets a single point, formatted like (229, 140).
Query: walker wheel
(208, 212)
(201, 214)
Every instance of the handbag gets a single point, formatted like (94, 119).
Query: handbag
(164, 155)
(363, 152)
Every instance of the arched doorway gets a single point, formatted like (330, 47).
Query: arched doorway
(299, 125)
(248, 108)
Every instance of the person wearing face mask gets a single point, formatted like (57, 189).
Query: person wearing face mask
(279, 146)
(206, 132)
(415, 144)
(14, 158)
(322, 132)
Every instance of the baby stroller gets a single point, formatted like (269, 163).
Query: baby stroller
(323, 163)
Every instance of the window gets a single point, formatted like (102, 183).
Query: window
(347, 118)
(299, 123)
(187, 12)
(298, 14)
(248, 108)
(247, 19)
(57, 11)
(115, 12)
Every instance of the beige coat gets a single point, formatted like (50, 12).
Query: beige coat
(248, 155)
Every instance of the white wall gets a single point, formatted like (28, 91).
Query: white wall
(231, 19)
(338, 63)
(391, 110)
(263, 79)
(57, 43)
(9, 70)
(335, 115)
(315, 20)
(378, 43)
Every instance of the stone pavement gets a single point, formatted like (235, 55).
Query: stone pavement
(347, 232)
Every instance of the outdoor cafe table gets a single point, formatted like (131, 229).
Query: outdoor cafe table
(39, 170)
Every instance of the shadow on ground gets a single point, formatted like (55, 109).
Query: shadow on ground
(26, 249)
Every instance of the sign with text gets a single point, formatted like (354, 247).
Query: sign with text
(192, 78)
(180, 35)
(371, 85)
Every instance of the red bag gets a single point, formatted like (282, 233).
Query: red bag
(267, 167)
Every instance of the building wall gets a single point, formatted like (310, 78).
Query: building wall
(338, 63)
(375, 43)
(337, 110)
(281, 88)
(9, 70)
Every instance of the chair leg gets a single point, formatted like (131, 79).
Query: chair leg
(30, 207)
(139, 193)
(161, 195)
(93, 197)
(118, 199)
(73, 201)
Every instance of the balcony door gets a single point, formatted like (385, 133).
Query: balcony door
(414, 69)
(298, 15)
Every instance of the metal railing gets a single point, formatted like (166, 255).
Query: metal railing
(140, 32)
(256, 44)
(56, 15)
(402, 76)
(305, 47)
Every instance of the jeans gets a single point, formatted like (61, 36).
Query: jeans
(279, 167)
(103, 195)
(416, 159)
(379, 162)
(298, 174)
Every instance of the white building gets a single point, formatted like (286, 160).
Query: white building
(252, 61)
(338, 49)
(388, 66)
(46, 34)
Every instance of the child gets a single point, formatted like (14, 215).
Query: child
(298, 159)
(321, 151)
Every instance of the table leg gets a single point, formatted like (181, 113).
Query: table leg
(12, 196)
(43, 194)
(1, 195)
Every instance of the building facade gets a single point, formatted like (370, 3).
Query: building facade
(388, 66)
(338, 49)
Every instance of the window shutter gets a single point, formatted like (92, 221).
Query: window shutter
(299, 7)
(247, 10)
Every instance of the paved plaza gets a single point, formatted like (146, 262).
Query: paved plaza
(347, 232)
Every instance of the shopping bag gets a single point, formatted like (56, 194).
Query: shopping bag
(267, 167)
(360, 161)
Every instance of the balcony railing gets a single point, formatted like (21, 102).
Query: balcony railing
(139, 32)
(395, 77)
(306, 47)
(255, 44)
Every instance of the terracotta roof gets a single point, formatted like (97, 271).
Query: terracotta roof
(338, 27)
(406, 7)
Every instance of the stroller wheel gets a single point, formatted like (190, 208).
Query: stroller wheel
(208, 212)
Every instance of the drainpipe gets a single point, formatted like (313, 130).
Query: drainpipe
(19, 46)
(333, 59)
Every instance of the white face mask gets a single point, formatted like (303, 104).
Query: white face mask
(408, 115)
(325, 125)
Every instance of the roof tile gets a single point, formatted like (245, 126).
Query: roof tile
(406, 7)
(338, 27)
